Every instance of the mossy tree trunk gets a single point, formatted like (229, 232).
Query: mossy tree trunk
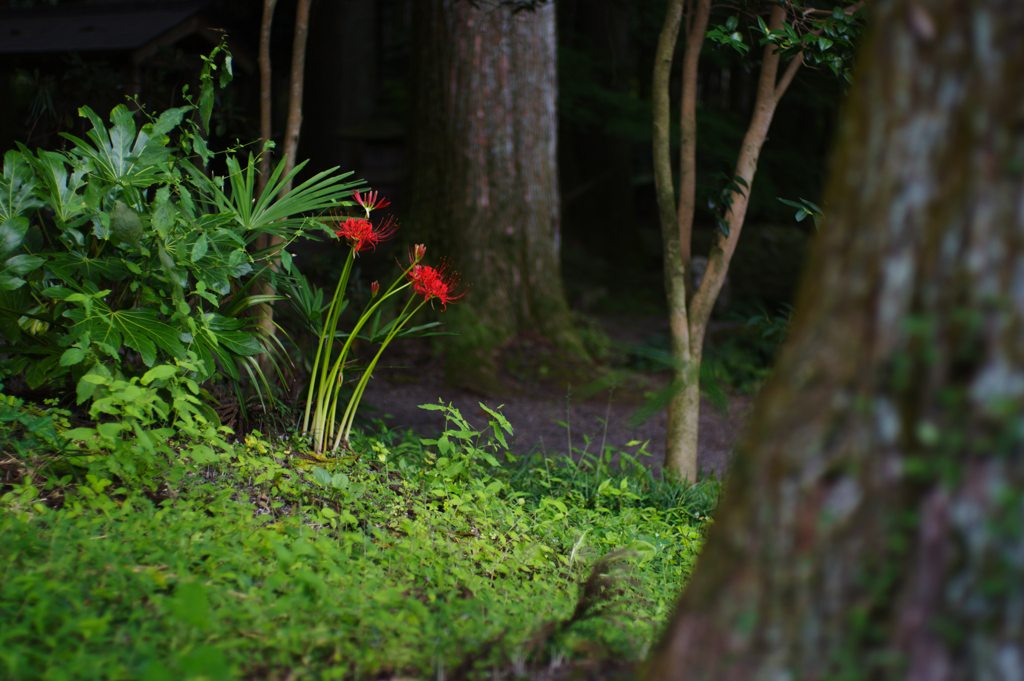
(484, 181)
(872, 528)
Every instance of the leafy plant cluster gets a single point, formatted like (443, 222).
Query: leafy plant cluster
(830, 42)
(424, 558)
(127, 252)
(826, 37)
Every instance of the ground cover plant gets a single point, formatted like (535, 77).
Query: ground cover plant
(427, 558)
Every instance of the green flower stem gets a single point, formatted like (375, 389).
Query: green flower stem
(330, 383)
(357, 395)
(330, 323)
(339, 366)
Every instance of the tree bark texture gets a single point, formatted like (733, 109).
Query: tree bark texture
(484, 181)
(872, 527)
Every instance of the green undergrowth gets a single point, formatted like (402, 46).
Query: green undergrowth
(417, 558)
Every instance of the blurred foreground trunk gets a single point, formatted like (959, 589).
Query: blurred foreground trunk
(872, 527)
(484, 179)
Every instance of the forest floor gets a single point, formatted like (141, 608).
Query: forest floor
(552, 409)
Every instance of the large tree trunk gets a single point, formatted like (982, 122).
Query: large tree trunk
(872, 525)
(484, 181)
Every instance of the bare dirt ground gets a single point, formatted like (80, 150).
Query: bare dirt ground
(539, 400)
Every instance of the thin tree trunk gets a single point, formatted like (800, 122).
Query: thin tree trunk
(872, 524)
(689, 313)
(296, 83)
(266, 100)
(291, 136)
(484, 182)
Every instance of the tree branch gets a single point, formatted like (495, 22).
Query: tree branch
(265, 93)
(746, 166)
(788, 75)
(688, 127)
(660, 104)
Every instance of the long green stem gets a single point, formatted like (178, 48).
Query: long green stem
(330, 381)
(330, 323)
(357, 395)
(337, 371)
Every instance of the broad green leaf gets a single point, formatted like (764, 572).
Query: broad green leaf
(62, 187)
(72, 356)
(169, 120)
(97, 270)
(101, 226)
(227, 73)
(200, 248)
(17, 187)
(95, 191)
(12, 234)
(115, 153)
(38, 373)
(80, 434)
(206, 108)
(242, 343)
(10, 283)
(141, 330)
(58, 292)
(202, 454)
(97, 375)
(111, 431)
(202, 151)
(159, 372)
(321, 476)
(238, 263)
(126, 224)
(163, 218)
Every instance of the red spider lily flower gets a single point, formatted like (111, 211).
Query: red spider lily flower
(362, 235)
(419, 251)
(439, 283)
(374, 289)
(370, 201)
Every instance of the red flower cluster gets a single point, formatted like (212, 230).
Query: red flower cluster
(362, 235)
(433, 283)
